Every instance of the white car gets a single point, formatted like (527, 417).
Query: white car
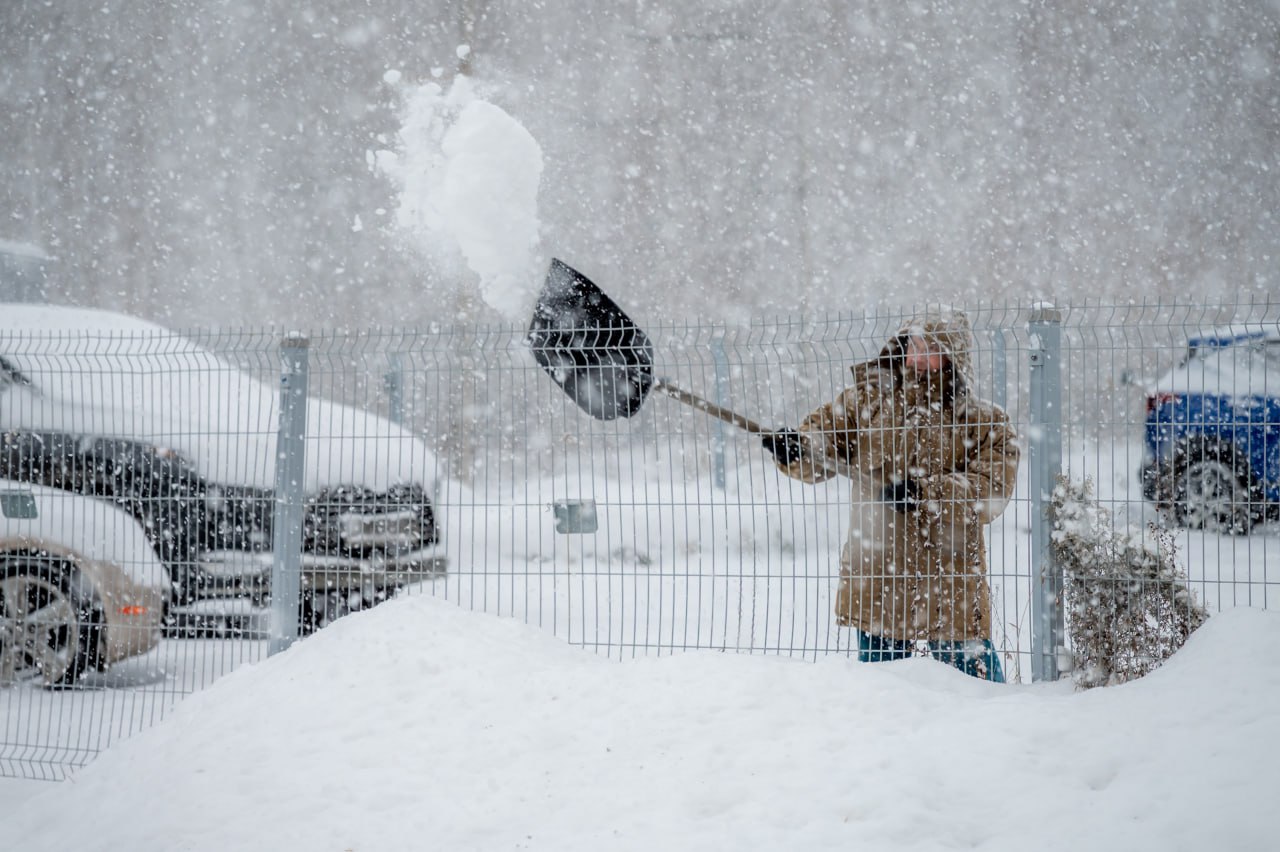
(115, 407)
(80, 586)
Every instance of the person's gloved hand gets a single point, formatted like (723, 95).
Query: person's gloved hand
(786, 445)
(903, 495)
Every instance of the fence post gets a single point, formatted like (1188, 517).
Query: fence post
(1000, 370)
(1047, 632)
(286, 518)
(722, 391)
(393, 381)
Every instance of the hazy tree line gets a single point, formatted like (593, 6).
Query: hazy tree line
(204, 162)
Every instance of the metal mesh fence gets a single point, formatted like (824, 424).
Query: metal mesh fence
(143, 506)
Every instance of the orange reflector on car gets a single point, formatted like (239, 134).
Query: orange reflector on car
(133, 610)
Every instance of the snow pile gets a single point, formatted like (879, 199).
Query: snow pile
(421, 725)
(468, 175)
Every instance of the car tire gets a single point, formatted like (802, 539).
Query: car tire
(319, 609)
(50, 622)
(1213, 489)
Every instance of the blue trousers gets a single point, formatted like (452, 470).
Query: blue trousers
(975, 657)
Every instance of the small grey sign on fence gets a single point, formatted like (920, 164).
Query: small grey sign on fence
(576, 517)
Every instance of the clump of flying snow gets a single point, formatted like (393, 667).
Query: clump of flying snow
(467, 174)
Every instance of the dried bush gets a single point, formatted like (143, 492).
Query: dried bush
(1127, 604)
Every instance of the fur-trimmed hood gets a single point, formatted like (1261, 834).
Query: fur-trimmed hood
(944, 327)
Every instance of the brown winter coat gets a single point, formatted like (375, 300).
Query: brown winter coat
(918, 574)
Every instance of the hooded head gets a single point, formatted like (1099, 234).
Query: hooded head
(942, 330)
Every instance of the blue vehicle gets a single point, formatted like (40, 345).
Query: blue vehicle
(1212, 454)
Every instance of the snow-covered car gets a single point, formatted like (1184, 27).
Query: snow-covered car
(80, 586)
(111, 406)
(1212, 442)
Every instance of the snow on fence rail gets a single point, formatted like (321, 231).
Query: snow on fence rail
(156, 486)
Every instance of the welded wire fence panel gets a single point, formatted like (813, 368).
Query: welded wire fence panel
(111, 431)
(446, 461)
(1173, 417)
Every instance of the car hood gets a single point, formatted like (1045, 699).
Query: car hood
(96, 372)
(70, 522)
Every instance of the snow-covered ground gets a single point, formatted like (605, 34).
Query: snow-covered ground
(424, 723)
(421, 725)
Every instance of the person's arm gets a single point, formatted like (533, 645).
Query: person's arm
(827, 441)
(982, 490)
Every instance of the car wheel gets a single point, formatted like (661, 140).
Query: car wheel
(1213, 491)
(50, 622)
(321, 608)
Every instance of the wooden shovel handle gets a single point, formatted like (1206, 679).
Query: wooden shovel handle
(711, 408)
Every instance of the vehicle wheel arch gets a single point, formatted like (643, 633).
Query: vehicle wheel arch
(51, 574)
(1215, 455)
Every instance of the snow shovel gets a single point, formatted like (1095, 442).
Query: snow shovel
(601, 359)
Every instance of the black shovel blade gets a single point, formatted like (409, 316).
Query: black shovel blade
(589, 346)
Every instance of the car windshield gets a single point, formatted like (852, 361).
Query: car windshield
(10, 375)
